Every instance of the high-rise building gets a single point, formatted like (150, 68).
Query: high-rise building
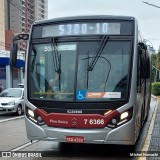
(33, 10)
(41, 9)
(2, 25)
(16, 16)
(20, 14)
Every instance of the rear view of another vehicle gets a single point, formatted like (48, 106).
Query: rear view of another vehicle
(12, 101)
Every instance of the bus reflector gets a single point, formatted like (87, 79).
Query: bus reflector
(43, 111)
(107, 112)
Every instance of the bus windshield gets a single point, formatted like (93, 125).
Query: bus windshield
(60, 71)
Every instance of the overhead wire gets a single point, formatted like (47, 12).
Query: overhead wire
(151, 4)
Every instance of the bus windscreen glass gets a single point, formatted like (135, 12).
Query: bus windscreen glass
(59, 72)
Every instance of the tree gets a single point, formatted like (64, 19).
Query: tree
(154, 60)
(158, 59)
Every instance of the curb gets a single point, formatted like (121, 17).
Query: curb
(154, 97)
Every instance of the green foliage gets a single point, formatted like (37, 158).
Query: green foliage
(158, 59)
(156, 88)
(154, 60)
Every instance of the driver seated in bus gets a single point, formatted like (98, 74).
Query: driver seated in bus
(53, 87)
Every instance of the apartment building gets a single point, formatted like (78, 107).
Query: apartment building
(16, 16)
(2, 25)
(41, 9)
(33, 10)
(20, 14)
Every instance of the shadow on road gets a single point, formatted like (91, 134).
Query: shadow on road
(92, 150)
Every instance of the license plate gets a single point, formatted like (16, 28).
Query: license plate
(75, 139)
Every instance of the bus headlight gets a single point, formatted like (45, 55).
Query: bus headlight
(31, 113)
(34, 117)
(120, 118)
(124, 115)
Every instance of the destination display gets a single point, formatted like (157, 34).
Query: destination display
(81, 29)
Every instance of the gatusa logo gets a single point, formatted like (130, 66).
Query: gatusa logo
(74, 111)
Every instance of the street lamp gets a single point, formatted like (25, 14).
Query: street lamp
(151, 48)
(156, 71)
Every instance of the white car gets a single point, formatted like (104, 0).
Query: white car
(12, 100)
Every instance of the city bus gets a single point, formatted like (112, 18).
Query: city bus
(87, 80)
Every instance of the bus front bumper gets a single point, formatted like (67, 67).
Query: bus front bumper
(123, 135)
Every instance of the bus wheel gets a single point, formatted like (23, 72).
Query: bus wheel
(19, 110)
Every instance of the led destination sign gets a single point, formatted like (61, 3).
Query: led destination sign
(81, 29)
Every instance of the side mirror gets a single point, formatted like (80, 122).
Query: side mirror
(148, 69)
(143, 46)
(20, 36)
(143, 67)
(145, 72)
(14, 49)
(145, 64)
(13, 55)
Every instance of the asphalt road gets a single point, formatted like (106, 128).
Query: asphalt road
(7, 116)
(15, 141)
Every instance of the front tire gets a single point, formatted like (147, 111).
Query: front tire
(19, 110)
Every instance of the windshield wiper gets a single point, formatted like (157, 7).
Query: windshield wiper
(98, 53)
(108, 71)
(9, 96)
(34, 58)
(55, 56)
(56, 60)
(59, 73)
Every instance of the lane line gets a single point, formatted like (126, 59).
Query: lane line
(10, 119)
(23, 146)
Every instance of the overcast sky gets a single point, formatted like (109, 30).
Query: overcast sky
(148, 16)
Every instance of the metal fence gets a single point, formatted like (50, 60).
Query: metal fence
(155, 74)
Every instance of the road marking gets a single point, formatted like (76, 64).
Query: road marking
(149, 134)
(23, 146)
(10, 119)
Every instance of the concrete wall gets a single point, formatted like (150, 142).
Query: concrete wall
(8, 39)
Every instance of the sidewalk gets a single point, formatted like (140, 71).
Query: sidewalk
(155, 138)
(12, 134)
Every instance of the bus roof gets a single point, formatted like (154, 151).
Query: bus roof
(87, 17)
